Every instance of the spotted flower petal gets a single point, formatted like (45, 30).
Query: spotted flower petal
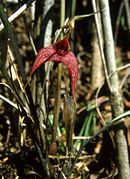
(59, 52)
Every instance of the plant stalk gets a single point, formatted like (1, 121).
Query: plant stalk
(127, 7)
(13, 43)
(115, 94)
(100, 41)
(58, 90)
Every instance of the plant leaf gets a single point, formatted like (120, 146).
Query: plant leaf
(59, 52)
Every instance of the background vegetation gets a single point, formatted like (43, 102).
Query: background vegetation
(45, 130)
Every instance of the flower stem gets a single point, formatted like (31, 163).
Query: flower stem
(58, 90)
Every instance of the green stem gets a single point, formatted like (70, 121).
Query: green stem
(62, 13)
(127, 7)
(58, 91)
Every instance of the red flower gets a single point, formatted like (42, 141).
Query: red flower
(59, 52)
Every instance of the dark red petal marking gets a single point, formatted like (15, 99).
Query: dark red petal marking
(62, 44)
(43, 55)
(71, 63)
(59, 52)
